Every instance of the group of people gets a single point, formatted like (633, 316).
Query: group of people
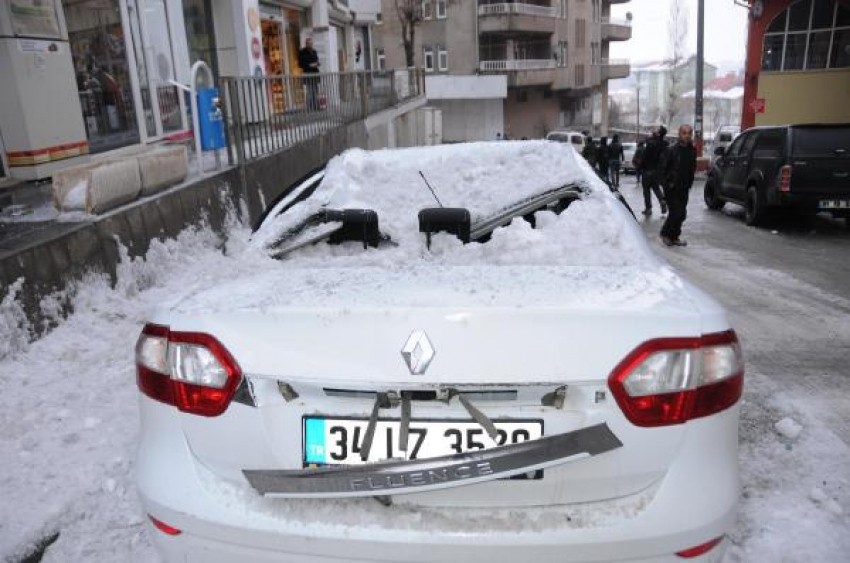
(664, 170)
(605, 158)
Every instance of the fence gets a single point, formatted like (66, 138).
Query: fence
(505, 8)
(269, 113)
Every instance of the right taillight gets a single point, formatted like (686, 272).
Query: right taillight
(785, 178)
(673, 380)
(190, 370)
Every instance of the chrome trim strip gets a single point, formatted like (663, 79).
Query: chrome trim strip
(415, 476)
(522, 208)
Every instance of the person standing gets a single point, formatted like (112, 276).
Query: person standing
(615, 150)
(308, 61)
(637, 159)
(652, 153)
(603, 159)
(588, 151)
(679, 164)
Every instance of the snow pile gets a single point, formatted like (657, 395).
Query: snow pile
(789, 428)
(69, 404)
(481, 177)
(14, 326)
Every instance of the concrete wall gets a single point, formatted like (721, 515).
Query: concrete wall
(804, 97)
(532, 118)
(471, 120)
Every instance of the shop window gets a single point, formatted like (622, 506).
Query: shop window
(443, 59)
(800, 37)
(429, 59)
(840, 49)
(795, 51)
(818, 56)
(379, 18)
(441, 9)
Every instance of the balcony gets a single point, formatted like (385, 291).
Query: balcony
(618, 1)
(524, 72)
(614, 68)
(517, 17)
(614, 29)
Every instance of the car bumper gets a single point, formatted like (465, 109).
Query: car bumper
(694, 502)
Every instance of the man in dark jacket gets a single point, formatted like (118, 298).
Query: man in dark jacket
(617, 156)
(679, 164)
(308, 60)
(603, 158)
(637, 159)
(650, 161)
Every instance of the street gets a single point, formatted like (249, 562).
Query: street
(787, 291)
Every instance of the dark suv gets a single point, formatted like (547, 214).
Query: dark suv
(802, 166)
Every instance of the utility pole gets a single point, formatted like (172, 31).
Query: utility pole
(699, 78)
(637, 113)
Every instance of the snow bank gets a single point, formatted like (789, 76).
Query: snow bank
(69, 412)
(789, 428)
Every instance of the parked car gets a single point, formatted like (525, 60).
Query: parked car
(629, 153)
(723, 137)
(516, 377)
(575, 138)
(804, 167)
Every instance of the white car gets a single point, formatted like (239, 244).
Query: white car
(628, 155)
(512, 377)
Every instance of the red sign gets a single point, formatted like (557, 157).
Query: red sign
(757, 105)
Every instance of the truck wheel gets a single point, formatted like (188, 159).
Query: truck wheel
(710, 196)
(755, 211)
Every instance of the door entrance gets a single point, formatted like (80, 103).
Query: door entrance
(98, 50)
(160, 102)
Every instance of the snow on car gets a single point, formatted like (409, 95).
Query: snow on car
(463, 351)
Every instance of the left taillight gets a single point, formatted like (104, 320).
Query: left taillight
(673, 380)
(190, 370)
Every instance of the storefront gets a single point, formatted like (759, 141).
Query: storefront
(281, 27)
(126, 56)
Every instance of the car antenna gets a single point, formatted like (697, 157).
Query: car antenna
(430, 188)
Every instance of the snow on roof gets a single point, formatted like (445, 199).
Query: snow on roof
(731, 94)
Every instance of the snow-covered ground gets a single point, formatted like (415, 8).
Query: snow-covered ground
(69, 420)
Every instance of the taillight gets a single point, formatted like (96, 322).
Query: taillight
(673, 380)
(164, 528)
(700, 549)
(785, 178)
(190, 370)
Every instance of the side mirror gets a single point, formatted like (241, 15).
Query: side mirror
(719, 151)
(453, 220)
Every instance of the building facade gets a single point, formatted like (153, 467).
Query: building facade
(88, 76)
(515, 68)
(661, 86)
(798, 62)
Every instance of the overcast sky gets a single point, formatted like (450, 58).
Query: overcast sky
(725, 30)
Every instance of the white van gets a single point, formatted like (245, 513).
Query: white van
(575, 138)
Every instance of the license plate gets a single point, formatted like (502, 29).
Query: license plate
(835, 204)
(338, 441)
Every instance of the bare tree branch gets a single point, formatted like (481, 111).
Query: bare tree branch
(677, 33)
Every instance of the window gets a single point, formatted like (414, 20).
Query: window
(441, 9)
(735, 147)
(522, 96)
(427, 10)
(580, 29)
(749, 141)
(443, 59)
(429, 59)
(808, 35)
(770, 144)
(381, 58)
(579, 75)
(379, 18)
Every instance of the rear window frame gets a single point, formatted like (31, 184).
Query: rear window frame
(832, 151)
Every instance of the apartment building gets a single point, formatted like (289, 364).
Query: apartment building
(514, 68)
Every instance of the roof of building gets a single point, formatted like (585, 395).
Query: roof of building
(663, 65)
(727, 87)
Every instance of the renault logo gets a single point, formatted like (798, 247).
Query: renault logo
(418, 352)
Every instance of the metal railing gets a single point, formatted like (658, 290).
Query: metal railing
(517, 8)
(517, 64)
(270, 113)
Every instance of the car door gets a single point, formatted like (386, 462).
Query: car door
(726, 166)
(735, 178)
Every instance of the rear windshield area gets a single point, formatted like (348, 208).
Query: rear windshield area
(822, 141)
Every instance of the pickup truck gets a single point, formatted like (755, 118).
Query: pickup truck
(805, 167)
